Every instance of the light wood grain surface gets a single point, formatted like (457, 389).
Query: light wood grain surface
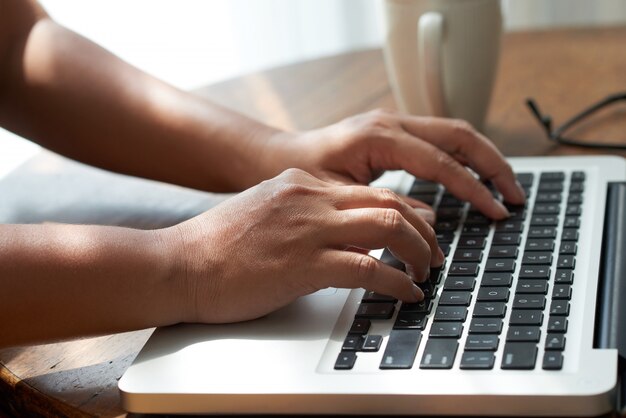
(564, 70)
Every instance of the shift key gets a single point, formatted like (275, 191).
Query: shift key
(401, 349)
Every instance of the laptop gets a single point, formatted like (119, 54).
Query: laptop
(524, 318)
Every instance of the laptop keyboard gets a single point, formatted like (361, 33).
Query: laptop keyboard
(502, 285)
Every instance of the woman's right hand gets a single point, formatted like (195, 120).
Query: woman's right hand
(293, 235)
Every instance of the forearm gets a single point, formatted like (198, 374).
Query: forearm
(74, 97)
(63, 281)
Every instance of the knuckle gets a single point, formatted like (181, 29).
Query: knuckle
(390, 199)
(392, 221)
(445, 163)
(365, 268)
(463, 128)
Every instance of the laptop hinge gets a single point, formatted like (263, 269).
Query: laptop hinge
(611, 306)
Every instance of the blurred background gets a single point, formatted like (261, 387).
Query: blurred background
(190, 43)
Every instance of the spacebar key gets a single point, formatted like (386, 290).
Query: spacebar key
(401, 349)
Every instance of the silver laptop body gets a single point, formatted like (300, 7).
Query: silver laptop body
(286, 362)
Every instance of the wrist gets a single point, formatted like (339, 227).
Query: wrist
(171, 273)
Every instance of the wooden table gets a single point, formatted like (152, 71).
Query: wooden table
(565, 70)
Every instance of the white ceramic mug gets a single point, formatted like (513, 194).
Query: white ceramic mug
(442, 56)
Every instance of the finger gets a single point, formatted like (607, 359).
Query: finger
(425, 160)
(459, 139)
(352, 270)
(379, 228)
(353, 197)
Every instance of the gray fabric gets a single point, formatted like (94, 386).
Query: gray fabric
(50, 188)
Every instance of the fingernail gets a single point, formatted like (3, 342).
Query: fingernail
(503, 211)
(442, 256)
(428, 215)
(417, 292)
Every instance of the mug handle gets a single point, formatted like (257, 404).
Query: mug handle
(429, 47)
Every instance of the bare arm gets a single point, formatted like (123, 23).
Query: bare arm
(74, 97)
(62, 281)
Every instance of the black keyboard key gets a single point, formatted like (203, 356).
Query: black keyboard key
(573, 210)
(509, 226)
(345, 360)
(424, 306)
(446, 330)
(575, 199)
(428, 288)
(426, 187)
(523, 333)
(468, 255)
(517, 213)
(375, 310)
(542, 232)
(525, 179)
(557, 324)
(529, 302)
(451, 313)
(477, 360)
(500, 265)
(372, 343)
(547, 209)
(482, 342)
(544, 220)
(569, 234)
(489, 310)
(550, 187)
(564, 277)
(571, 222)
(439, 354)
(532, 287)
(519, 356)
(445, 248)
(401, 349)
(568, 248)
(540, 244)
(449, 201)
(576, 187)
(537, 258)
(562, 291)
(352, 343)
(526, 317)
(555, 342)
(449, 214)
(372, 297)
(390, 260)
(492, 294)
(449, 297)
(566, 262)
(459, 283)
(559, 308)
(506, 239)
(476, 230)
(578, 176)
(446, 226)
(463, 269)
(552, 176)
(410, 320)
(444, 237)
(471, 242)
(485, 326)
(428, 198)
(503, 251)
(497, 279)
(474, 218)
(552, 360)
(549, 197)
(534, 272)
(360, 326)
